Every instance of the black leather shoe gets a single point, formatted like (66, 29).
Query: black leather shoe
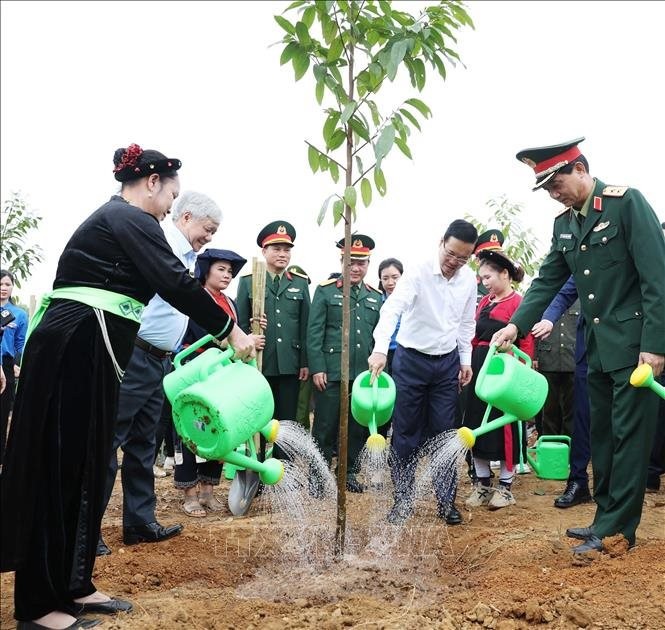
(79, 623)
(574, 494)
(593, 543)
(102, 548)
(581, 533)
(353, 485)
(452, 515)
(399, 514)
(152, 532)
(111, 607)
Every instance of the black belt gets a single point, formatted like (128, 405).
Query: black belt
(428, 356)
(150, 349)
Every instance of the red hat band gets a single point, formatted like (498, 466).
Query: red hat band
(554, 163)
(281, 236)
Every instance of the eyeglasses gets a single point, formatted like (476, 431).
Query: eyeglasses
(460, 259)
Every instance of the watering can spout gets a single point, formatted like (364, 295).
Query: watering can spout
(642, 376)
(466, 436)
(270, 471)
(372, 404)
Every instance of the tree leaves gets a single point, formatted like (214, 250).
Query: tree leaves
(366, 191)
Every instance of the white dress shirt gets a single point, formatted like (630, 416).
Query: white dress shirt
(437, 314)
(162, 325)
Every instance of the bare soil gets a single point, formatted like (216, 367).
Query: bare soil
(507, 569)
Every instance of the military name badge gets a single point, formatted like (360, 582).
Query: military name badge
(371, 299)
(566, 236)
(601, 226)
(338, 295)
(293, 290)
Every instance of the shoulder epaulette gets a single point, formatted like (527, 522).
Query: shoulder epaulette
(614, 191)
(371, 288)
(300, 275)
(325, 283)
(561, 213)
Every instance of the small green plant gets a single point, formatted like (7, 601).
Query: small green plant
(17, 221)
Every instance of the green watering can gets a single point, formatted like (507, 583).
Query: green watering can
(642, 376)
(218, 404)
(509, 385)
(372, 405)
(550, 457)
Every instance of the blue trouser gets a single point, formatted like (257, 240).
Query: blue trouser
(427, 392)
(139, 409)
(580, 449)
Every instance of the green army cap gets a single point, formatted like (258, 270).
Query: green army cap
(548, 161)
(276, 233)
(361, 246)
(490, 239)
(296, 270)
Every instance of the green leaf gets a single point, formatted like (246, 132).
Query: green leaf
(313, 158)
(287, 53)
(366, 191)
(410, 117)
(294, 5)
(285, 24)
(420, 106)
(397, 53)
(335, 51)
(319, 90)
(308, 16)
(385, 142)
(324, 209)
(348, 112)
(376, 119)
(385, 7)
(338, 211)
(359, 165)
(360, 128)
(300, 63)
(419, 68)
(380, 181)
(329, 126)
(323, 162)
(302, 32)
(403, 147)
(337, 139)
(334, 171)
(350, 196)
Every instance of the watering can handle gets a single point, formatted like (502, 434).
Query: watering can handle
(183, 354)
(513, 348)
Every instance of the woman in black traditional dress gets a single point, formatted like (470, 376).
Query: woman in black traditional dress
(79, 343)
(497, 273)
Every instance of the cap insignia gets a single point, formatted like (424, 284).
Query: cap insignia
(281, 230)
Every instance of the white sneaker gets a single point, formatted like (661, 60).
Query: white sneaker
(495, 464)
(502, 497)
(169, 464)
(523, 469)
(158, 472)
(480, 495)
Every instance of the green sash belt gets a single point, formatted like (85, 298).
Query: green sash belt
(115, 303)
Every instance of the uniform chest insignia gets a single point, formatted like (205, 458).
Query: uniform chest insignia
(614, 191)
(371, 299)
(601, 226)
(293, 290)
(338, 295)
(566, 236)
(598, 204)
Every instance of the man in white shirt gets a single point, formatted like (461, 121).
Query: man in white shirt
(436, 301)
(196, 218)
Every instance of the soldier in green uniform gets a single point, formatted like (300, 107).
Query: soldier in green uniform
(286, 308)
(305, 393)
(609, 238)
(324, 347)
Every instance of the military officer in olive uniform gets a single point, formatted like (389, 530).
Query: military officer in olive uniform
(609, 238)
(324, 347)
(286, 308)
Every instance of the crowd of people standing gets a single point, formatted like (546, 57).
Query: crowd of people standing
(129, 293)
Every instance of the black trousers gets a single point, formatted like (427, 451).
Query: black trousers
(139, 409)
(286, 391)
(165, 430)
(6, 401)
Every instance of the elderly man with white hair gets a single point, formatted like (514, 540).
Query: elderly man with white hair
(195, 221)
